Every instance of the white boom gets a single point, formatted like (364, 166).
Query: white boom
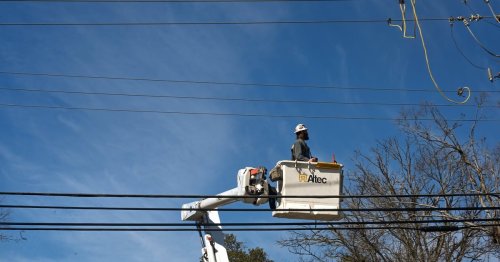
(251, 182)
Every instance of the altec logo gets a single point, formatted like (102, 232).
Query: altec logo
(312, 179)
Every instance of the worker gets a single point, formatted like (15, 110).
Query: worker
(300, 150)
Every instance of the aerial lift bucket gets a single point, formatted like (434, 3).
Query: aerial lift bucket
(297, 178)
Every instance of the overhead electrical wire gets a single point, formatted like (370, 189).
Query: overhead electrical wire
(223, 83)
(467, 26)
(461, 90)
(488, 22)
(183, 196)
(419, 225)
(225, 114)
(165, 23)
(460, 50)
(493, 24)
(468, 6)
(238, 99)
(425, 229)
(497, 17)
(253, 224)
(402, 28)
(194, 229)
(392, 209)
(168, 1)
(466, 22)
(183, 229)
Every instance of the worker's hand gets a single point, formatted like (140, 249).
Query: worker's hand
(314, 159)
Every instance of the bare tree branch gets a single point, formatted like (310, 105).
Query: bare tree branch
(438, 157)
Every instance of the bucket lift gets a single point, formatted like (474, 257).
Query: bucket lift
(292, 177)
(296, 178)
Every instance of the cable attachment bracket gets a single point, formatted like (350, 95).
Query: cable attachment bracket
(461, 90)
(475, 18)
(492, 77)
(452, 19)
(466, 20)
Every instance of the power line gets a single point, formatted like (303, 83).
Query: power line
(223, 83)
(479, 42)
(497, 17)
(460, 50)
(183, 229)
(168, 1)
(224, 98)
(466, 22)
(470, 8)
(283, 22)
(88, 195)
(253, 224)
(460, 91)
(493, 24)
(414, 209)
(425, 229)
(215, 114)
(474, 12)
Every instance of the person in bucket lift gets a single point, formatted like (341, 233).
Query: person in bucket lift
(300, 150)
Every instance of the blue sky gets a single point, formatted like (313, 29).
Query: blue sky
(56, 150)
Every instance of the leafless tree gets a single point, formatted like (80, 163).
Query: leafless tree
(4, 214)
(3, 217)
(433, 156)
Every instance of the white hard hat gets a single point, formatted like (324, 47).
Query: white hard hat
(300, 127)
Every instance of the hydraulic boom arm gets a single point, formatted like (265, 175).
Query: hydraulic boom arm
(251, 182)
